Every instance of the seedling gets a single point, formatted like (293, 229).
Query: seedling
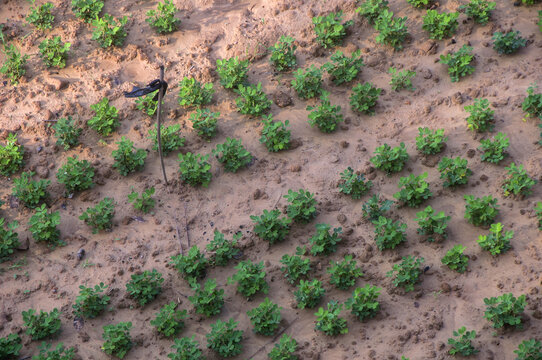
(42, 325)
(401, 79)
(454, 171)
(87, 10)
(538, 213)
(109, 31)
(508, 43)
(41, 16)
(9, 240)
(265, 317)
(195, 169)
(90, 302)
(100, 217)
(329, 322)
(76, 175)
(232, 72)
(204, 122)
(518, 183)
(344, 273)
(54, 53)
(308, 83)
(127, 158)
(147, 104)
(459, 63)
(191, 266)
(67, 132)
(250, 278)
(163, 18)
(463, 345)
(342, 68)
(498, 240)
(223, 250)
(392, 30)
(309, 294)
(479, 10)
(60, 352)
(329, 30)
(529, 350)
(30, 192)
(143, 202)
(170, 136)
(430, 142)
(194, 93)
(208, 300)
(389, 234)
(481, 116)
(186, 349)
(225, 339)
(363, 98)
(354, 184)
(43, 226)
(302, 207)
(275, 136)
(11, 156)
(283, 53)
(14, 63)
(284, 349)
(371, 9)
(414, 190)
(169, 321)
(419, 3)
(481, 211)
(364, 302)
(390, 160)
(431, 224)
(295, 267)
(144, 287)
(326, 116)
(106, 119)
(324, 242)
(532, 104)
(505, 310)
(117, 340)
(270, 227)
(252, 100)
(232, 154)
(407, 273)
(455, 259)
(440, 25)
(375, 207)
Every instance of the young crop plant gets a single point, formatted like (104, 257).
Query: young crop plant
(222, 250)
(420, 3)
(462, 345)
(283, 53)
(127, 158)
(498, 240)
(195, 169)
(208, 300)
(479, 10)
(275, 135)
(375, 207)
(481, 211)
(204, 122)
(76, 175)
(390, 160)
(42, 325)
(30, 192)
(407, 273)
(265, 317)
(309, 294)
(354, 184)
(494, 151)
(87, 10)
(392, 30)
(284, 349)
(505, 310)
(329, 30)
(106, 119)
(232, 154)
(414, 190)
(270, 227)
(538, 213)
(532, 104)
(344, 273)
(169, 321)
(364, 97)
(146, 286)
(225, 339)
(302, 207)
(389, 234)
(58, 353)
(162, 20)
(371, 9)
(90, 302)
(529, 350)
(43, 226)
(508, 43)
(11, 156)
(324, 242)
(431, 224)
(295, 267)
(148, 104)
(191, 266)
(232, 72)
(100, 217)
(481, 116)
(14, 62)
(440, 25)
(342, 68)
(194, 93)
(250, 278)
(143, 202)
(459, 63)
(308, 83)
(329, 321)
(326, 116)
(9, 240)
(170, 136)
(454, 171)
(401, 79)
(54, 53)
(252, 100)
(41, 16)
(455, 259)
(67, 132)
(109, 31)
(364, 302)
(430, 142)
(518, 183)
(186, 349)
(117, 339)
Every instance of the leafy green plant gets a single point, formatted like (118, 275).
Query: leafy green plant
(344, 273)
(145, 287)
(143, 202)
(223, 250)
(163, 18)
(371, 9)
(481, 116)
(148, 104)
(225, 339)
(275, 137)
(232, 154)
(106, 119)
(208, 300)
(42, 325)
(186, 349)
(463, 345)
(329, 321)
(508, 43)
(168, 320)
(100, 217)
(455, 259)
(329, 30)
(302, 207)
(117, 339)
(76, 175)
(90, 302)
(250, 278)
(479, 10)
(529, 350)
(10, 346)
(440, 25)
(389, 234)
(284, 349)
(309, 293)
(283, 53)
(204, 121)
(364, 302)
(532, 104)
(87, 10)
(401, 79)
(43, 226)
(252, 100)
(390, 160)
(454, 171)
(325, 116)
(67, 132)
(109, 31)
(431, 224)
(170, 138)
(518, 181)
(407, 273)
(30, 192)
(459, 63)
(195, 169)
(494, 150)
(505, 310)
(419, 3)
(14, 63)
(232, 72)
(11, 156)
(295, 267)
(481, 211)
(41, 16)
(265, 317)
(392, 30)
(308, 83)
(414, 190)
(363, 98)
(342, 68)
(9, 240)
(539, 23)
(127, 158)
(54, 53)
(270, 227)
(192, 265)
(498, 240)
(429, 141)
(538, 213)
(375, 207)
(324, 242)
(194, 93)
(354, 184)
(58, 353)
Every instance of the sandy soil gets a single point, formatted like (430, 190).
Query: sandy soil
(415, 324)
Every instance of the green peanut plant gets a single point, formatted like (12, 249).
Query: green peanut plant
(100, 217)
(420, 3)
(414, 190)
(90, 302)
(275, 135)
(481, 116)
(371, 9)
(401, 79)
(265, 317)
(390, 160)
(162, 20)
(342, 68)
(41, 16)
(222, 250)
(455, 259)
(284, 349)
(43, 226)
(354, 184)
(170, 138)
(144, 201)
(329, 30)
(459, 63)
(431, 224)
(59, 352)
(106, 119)
(407, 273)
(207, 300)
(307, 83)
(9, 240)
(169, 320)
(309, 294)
(87, 10)
(232, 72)
(481, 211)
(109, 31)
(42, 325)
(325, 116)
(343, 274)
(192, 265)
(76, 175)
(529, 350)
(283, 53)
(54, 53)
(14, 63)
(324, 242)
(532, 104)
(430, 142)
(392, 30)
(195, 169)
(508, 43)
(204, 122)
(146, 286)
(252, 100)
(375, 207)
(364, 302)
(295, 267)
(127, 158)
(364, 97)
(67, 132)
(389, 234)
(494, 150)
(302, 206)
(117, 339)
(30, 192)
(463, 345)
(440, 25)
(232, 154)
(186, 349)
(505, 310)
(11, 156)
(329, 321)
(518, 181)
(250, 278)
(225, 339)
(270, 227)
(194, 93)
(498, 240)
(479, 10)
(454, 171)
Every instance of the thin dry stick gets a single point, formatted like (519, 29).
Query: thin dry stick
(186, 227)
(159, 110)
(274, 338)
